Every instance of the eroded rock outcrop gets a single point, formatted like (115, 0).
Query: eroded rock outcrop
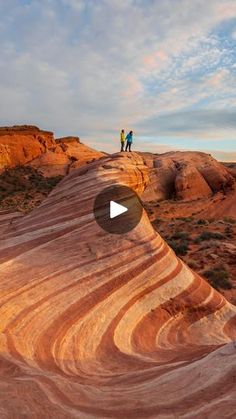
(190, 184)
(95, 325)
(21, 144)
(28, 145)
(68, 154)
(171, 174)
(162, 174)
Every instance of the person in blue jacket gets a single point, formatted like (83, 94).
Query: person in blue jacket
(129, 141)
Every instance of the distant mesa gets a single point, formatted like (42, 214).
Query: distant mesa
(26, 129)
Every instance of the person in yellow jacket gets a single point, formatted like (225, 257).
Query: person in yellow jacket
(122, 139)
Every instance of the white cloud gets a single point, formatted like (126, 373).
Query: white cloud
(78, 5)
(223, 156)
(89, 67)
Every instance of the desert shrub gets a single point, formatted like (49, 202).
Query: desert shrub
(230, 220)
(185, 219)
(157, 223)
(172, 243)
(202, 222)
(218, 277)
(208, 235)
(20, 185)
(24, 179)
(180, 235)
(192, 263)
(158, 220)
(44, 183)
(180, 248)
(228, 231)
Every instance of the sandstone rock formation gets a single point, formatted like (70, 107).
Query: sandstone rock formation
(92, 325)
(215, 174)
(20, 145)
(68, 154)
(190, 184)
(162, 174)
(165, 167)
(201, 185)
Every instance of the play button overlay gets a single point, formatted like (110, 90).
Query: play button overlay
(117, 209)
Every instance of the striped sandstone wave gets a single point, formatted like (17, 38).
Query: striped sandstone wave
(92, 325)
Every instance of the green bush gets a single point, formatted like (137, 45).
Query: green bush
(208, 235)
(19, 185)
(192, 263)
(219, 278)
(157, 223)
(180, 235)
(202, 222)
(229, 231)
(185, 219)
(180, 249)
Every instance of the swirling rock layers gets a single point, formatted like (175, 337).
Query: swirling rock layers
(95, 325)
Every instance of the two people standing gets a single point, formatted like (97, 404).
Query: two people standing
(128, 138)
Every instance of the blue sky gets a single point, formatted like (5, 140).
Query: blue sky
(164, 68)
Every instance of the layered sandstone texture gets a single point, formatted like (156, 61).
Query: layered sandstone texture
(28, 145)
(197, 182)
(198, 172)
(94, 325)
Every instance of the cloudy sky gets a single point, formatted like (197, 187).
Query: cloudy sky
(164, 68)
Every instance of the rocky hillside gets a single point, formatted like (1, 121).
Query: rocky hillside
(92, 326)
(188, 184)
(22, 188)
(67, 154)
(185, 175)
(21, 145)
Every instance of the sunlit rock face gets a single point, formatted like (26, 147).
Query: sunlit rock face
(68, 154)
(29, 145)
(185, 175)
(190, 184)
(21, 144)
(99, 325)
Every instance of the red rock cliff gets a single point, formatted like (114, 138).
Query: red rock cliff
(21, 144)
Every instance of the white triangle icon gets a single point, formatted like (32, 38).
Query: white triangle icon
(116, 209)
